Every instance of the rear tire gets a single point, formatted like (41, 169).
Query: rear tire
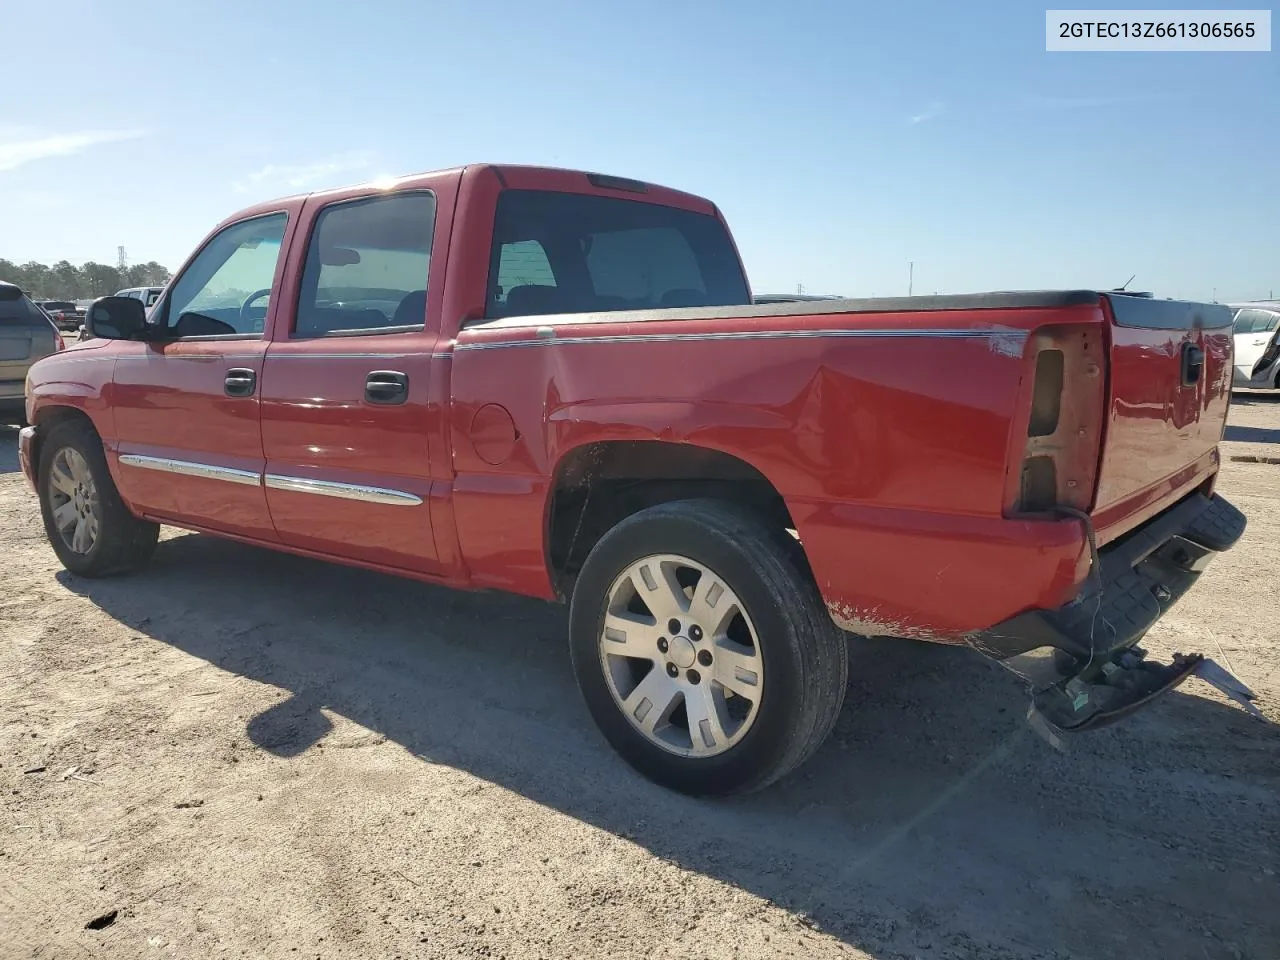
(89, 527)
(758, 624)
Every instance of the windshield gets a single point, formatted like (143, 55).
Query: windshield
(574, 253)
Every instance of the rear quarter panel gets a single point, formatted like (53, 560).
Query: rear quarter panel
(888, 437)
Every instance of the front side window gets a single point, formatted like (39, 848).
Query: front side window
(577, 253)
(367, 266)
(1253, 321)
(227, 287)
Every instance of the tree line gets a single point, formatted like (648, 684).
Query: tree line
(66, 281)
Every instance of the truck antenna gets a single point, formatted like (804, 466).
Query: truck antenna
(1125, 285)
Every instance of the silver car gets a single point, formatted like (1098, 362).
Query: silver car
(1257, 345)
(26, 335)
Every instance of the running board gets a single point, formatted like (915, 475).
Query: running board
(1122, 684)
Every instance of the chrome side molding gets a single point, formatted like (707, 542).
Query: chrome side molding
(188, 468)
(345, 491)
(324, 488)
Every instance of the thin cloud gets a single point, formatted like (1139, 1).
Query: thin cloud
(931, 112)
(16, 152)
(1087, 103)
(297, 176)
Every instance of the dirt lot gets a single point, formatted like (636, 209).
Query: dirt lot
(245, 754)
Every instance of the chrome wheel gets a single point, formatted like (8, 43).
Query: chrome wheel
(73, 499)
(680, 656)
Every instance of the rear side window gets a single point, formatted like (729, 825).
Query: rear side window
(367, 266)
(575, 253)
(16, 309)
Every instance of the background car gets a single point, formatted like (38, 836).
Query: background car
(148, 295)
(762, 298)
(66, 315)
(1257, 346)
(26, 335)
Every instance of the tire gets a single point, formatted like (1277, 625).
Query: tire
(120, 541)
(797, 656)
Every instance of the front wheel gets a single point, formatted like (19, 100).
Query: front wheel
(703, 650)
(89, 527)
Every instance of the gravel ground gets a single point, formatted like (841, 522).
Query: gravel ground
(237, 753)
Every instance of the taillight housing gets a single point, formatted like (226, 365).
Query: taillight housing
(59, 343)
(1058, 439)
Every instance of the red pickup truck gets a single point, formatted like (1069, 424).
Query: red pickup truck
(555, 383)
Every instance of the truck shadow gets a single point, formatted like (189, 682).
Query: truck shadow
(9, 449)
(1252, 434)
(932, 823)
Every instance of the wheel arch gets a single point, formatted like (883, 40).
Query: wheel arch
(47, 418)
(597, 484)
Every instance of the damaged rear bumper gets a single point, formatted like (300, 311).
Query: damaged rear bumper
(1082, 660)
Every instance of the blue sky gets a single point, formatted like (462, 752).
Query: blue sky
(841, 139)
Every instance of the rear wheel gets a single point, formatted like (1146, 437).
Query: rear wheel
(89, 527)
(703, 649)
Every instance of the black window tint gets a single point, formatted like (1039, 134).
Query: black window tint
(367, 266)
(574, 253)
(17, 309)
(226, 289)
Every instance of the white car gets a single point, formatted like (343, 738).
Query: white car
(1257, 346)
(148, 295)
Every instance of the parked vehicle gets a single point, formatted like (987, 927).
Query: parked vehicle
(792, 297)
(148, 295)
(66, 315)
(26, 335)
(555, 383)
(1257, 346)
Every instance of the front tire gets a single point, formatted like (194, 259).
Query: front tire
(89, 527)
(703, 649)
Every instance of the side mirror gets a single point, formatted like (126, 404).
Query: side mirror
(115, 318)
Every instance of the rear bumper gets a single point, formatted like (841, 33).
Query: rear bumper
(1140, 577)
(26, 454)
(1082, 660)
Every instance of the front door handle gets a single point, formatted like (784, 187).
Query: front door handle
(240, 382)
(386, 386)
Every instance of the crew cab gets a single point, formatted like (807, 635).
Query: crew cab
(555, 383)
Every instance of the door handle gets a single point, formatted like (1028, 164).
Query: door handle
(240, 382)
(1192, 364)
(386, 386)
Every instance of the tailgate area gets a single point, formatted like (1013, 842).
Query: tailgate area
(1169, 388)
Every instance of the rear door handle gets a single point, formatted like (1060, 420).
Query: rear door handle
(386, 386)
(240, 382)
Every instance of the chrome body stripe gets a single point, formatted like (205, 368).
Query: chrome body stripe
(346, 491)
(187, 468)
(1009, 336)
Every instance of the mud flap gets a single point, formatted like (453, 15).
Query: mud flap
(1123, 684)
